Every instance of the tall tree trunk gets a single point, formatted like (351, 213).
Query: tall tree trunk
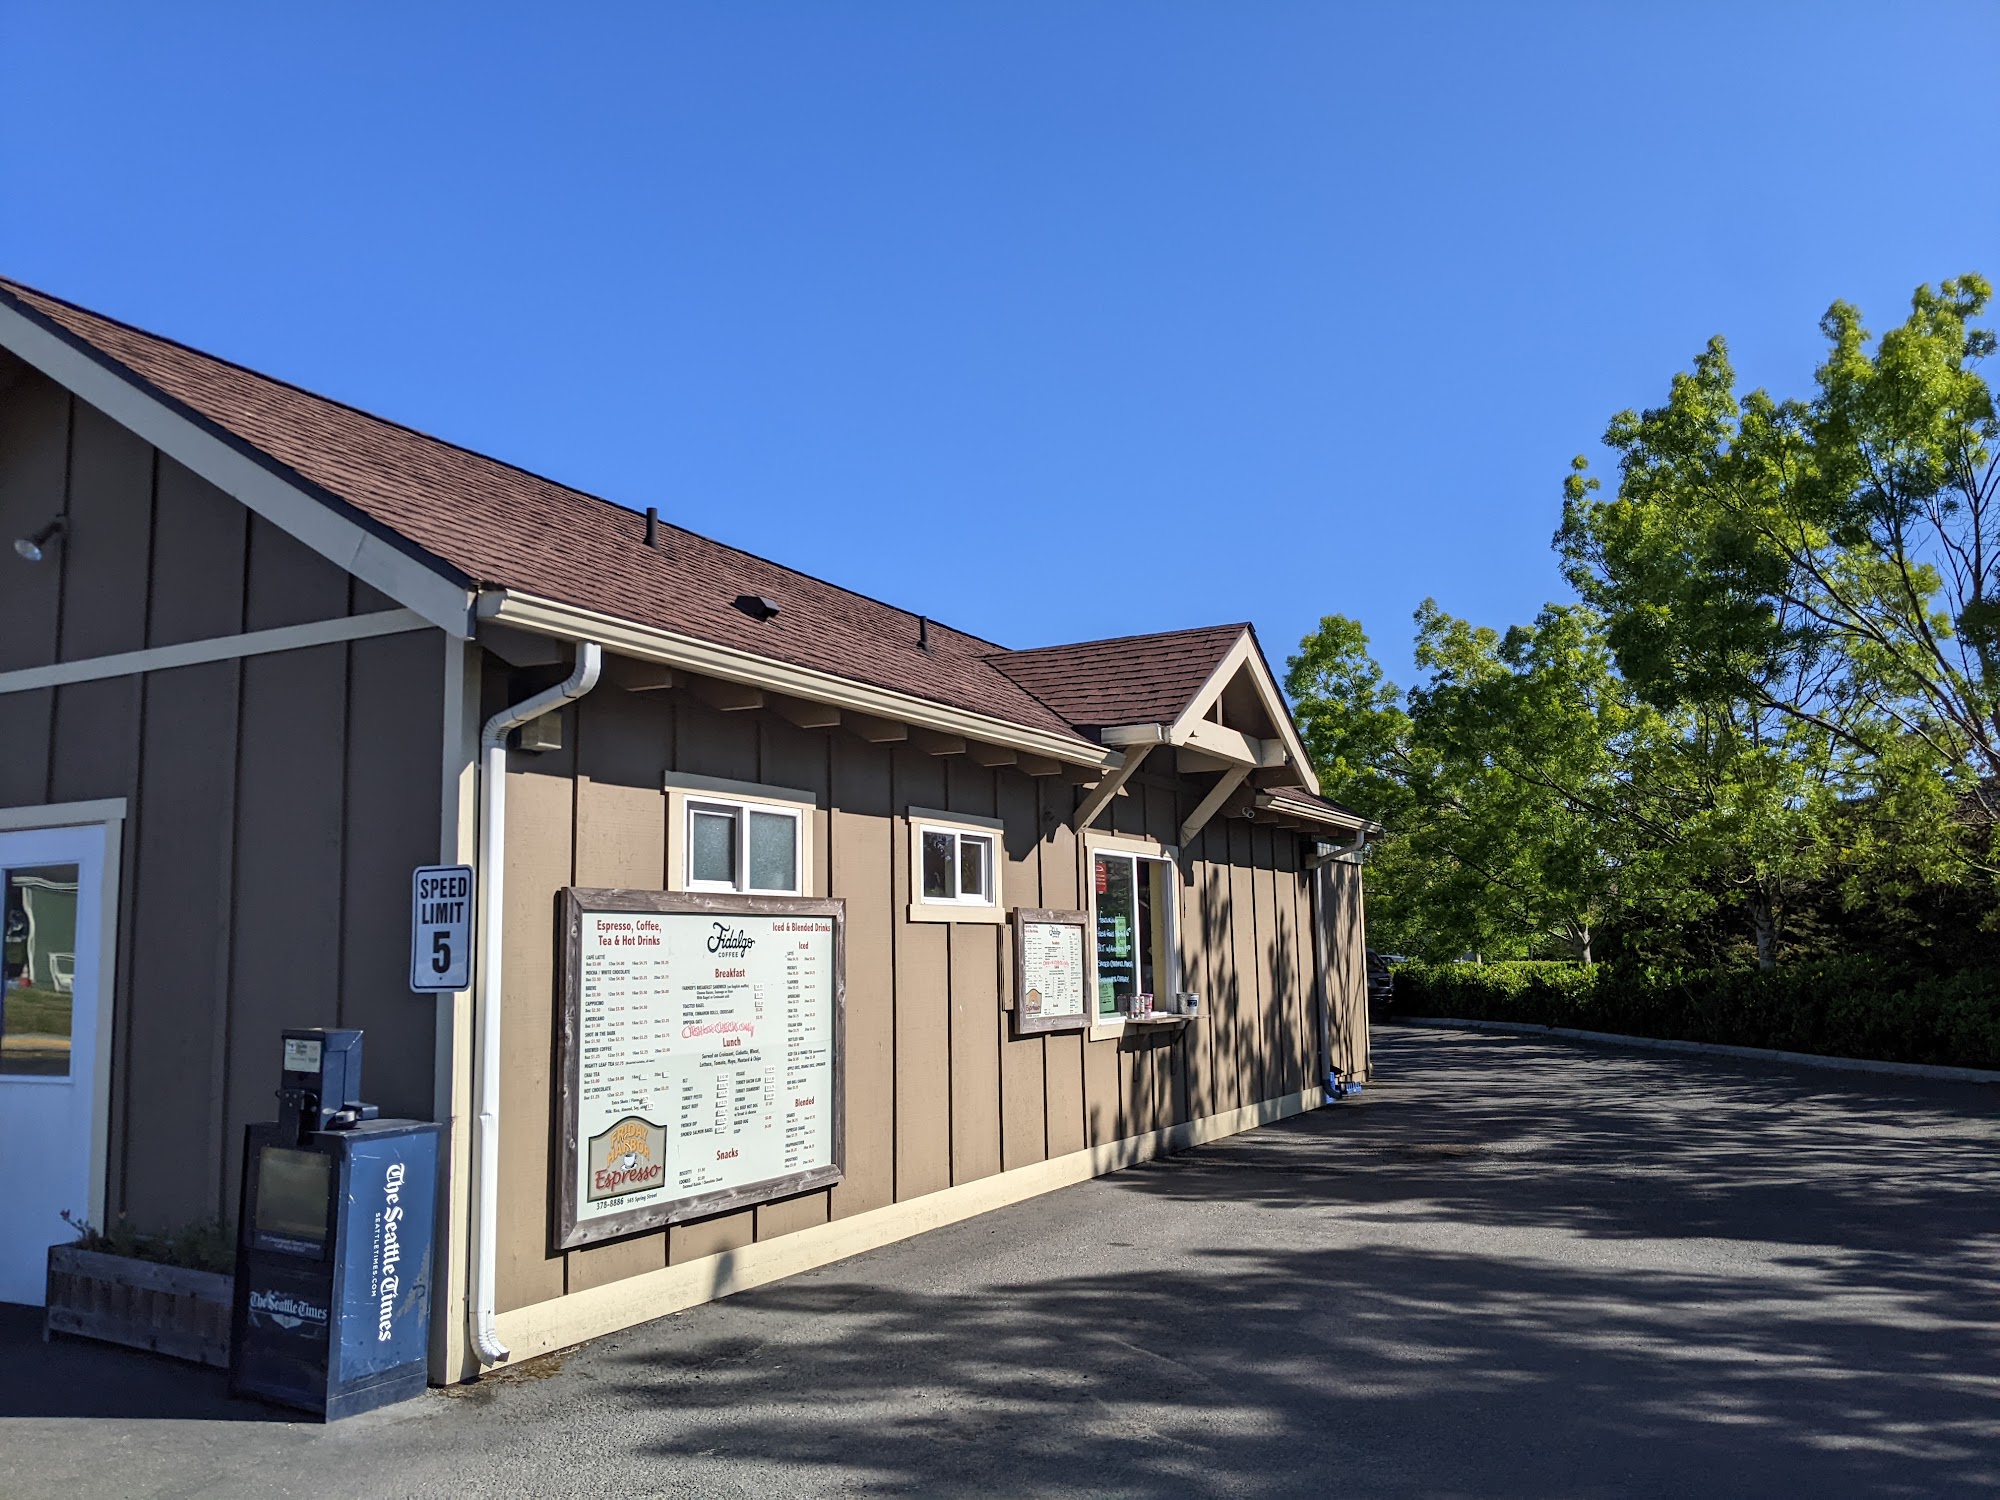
(1765, 922)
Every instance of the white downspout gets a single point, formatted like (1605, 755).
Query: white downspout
(486, 1044)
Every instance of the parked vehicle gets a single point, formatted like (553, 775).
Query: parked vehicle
(1380, 985)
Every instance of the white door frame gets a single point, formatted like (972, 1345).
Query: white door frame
(109, 815)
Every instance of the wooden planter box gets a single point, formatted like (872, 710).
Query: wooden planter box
(165, 1309)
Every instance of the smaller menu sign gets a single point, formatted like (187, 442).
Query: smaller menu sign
(1052, 970)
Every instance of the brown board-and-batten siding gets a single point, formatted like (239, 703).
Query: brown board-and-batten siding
(940, 1092)
(275, 804)
(1344, 966)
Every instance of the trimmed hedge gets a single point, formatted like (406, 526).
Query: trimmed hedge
(1850, 1007)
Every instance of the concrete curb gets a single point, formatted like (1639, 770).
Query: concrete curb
(1935, 1071)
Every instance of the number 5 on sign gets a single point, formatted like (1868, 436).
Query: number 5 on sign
(441, 928)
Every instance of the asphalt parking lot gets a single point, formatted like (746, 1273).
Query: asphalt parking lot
(1514, 1267)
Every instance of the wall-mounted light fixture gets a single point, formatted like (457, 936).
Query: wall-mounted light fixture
(34, 546)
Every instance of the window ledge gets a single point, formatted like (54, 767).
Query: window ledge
(946, 911)
(1104, 1031)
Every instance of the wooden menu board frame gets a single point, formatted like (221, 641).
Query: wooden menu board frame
(569, 1230)
(1031, 1025)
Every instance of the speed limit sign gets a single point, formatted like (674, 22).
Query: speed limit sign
(441, 928)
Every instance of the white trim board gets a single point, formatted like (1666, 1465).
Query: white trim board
(544, 1327)
(571, 622)
(1224, 746)
(62, 814)
(1243, 656)
(451, 1356)
(217, 648)
(123, 396)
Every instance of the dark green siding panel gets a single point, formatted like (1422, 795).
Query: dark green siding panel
(174, 960)
(394, 779)
(104, 555)
(34, 475)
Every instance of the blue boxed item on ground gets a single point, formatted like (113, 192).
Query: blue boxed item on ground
(333, 1250)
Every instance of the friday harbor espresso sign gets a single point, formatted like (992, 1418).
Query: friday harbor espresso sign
(702, 1061)
(628, 1158)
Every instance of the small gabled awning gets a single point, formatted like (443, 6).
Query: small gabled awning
(1207, 695)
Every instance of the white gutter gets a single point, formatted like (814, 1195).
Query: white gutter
(486, 1044)
(570, 622)
(1363, 829)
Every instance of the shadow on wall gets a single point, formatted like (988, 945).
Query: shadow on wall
(1533, 1280)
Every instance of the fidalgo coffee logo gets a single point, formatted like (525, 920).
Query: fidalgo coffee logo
(727, 939)
(286, 1310)
(627, 1158)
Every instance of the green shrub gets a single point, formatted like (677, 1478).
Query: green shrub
(205, 1245)
(1847, 1007)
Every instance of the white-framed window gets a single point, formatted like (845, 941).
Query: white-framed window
(740, 846)
(955, 865)
(738, 837)
(1134, 925)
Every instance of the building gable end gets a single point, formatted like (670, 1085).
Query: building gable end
(426, 586)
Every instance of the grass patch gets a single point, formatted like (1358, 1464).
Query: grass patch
(37, 1012)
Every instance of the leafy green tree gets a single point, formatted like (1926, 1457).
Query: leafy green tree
(1531, 796)
(1779, 696)
(1763, 820)
(1350, 719)
(1544, 757)
(1828, 565)
(1505, 783)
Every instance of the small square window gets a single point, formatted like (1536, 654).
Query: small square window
(955, 867)
(734, 846)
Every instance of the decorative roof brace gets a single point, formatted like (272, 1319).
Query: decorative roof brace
(1101, 794)
(1224, 788)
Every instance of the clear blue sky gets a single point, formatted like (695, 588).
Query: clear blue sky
(1050, 320)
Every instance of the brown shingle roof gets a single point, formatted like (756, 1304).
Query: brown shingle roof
(491, 524)
(1134, 679)
(499, 525)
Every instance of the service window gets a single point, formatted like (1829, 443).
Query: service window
(1132, 909)
(955, 862)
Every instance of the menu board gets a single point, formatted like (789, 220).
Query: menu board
(1051, 969)
(701, 1066)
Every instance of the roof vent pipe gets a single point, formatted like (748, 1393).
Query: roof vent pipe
(652, 526)
(486, 1038)
(923, 632)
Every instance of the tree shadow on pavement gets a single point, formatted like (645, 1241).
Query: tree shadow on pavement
(1535, 1275)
